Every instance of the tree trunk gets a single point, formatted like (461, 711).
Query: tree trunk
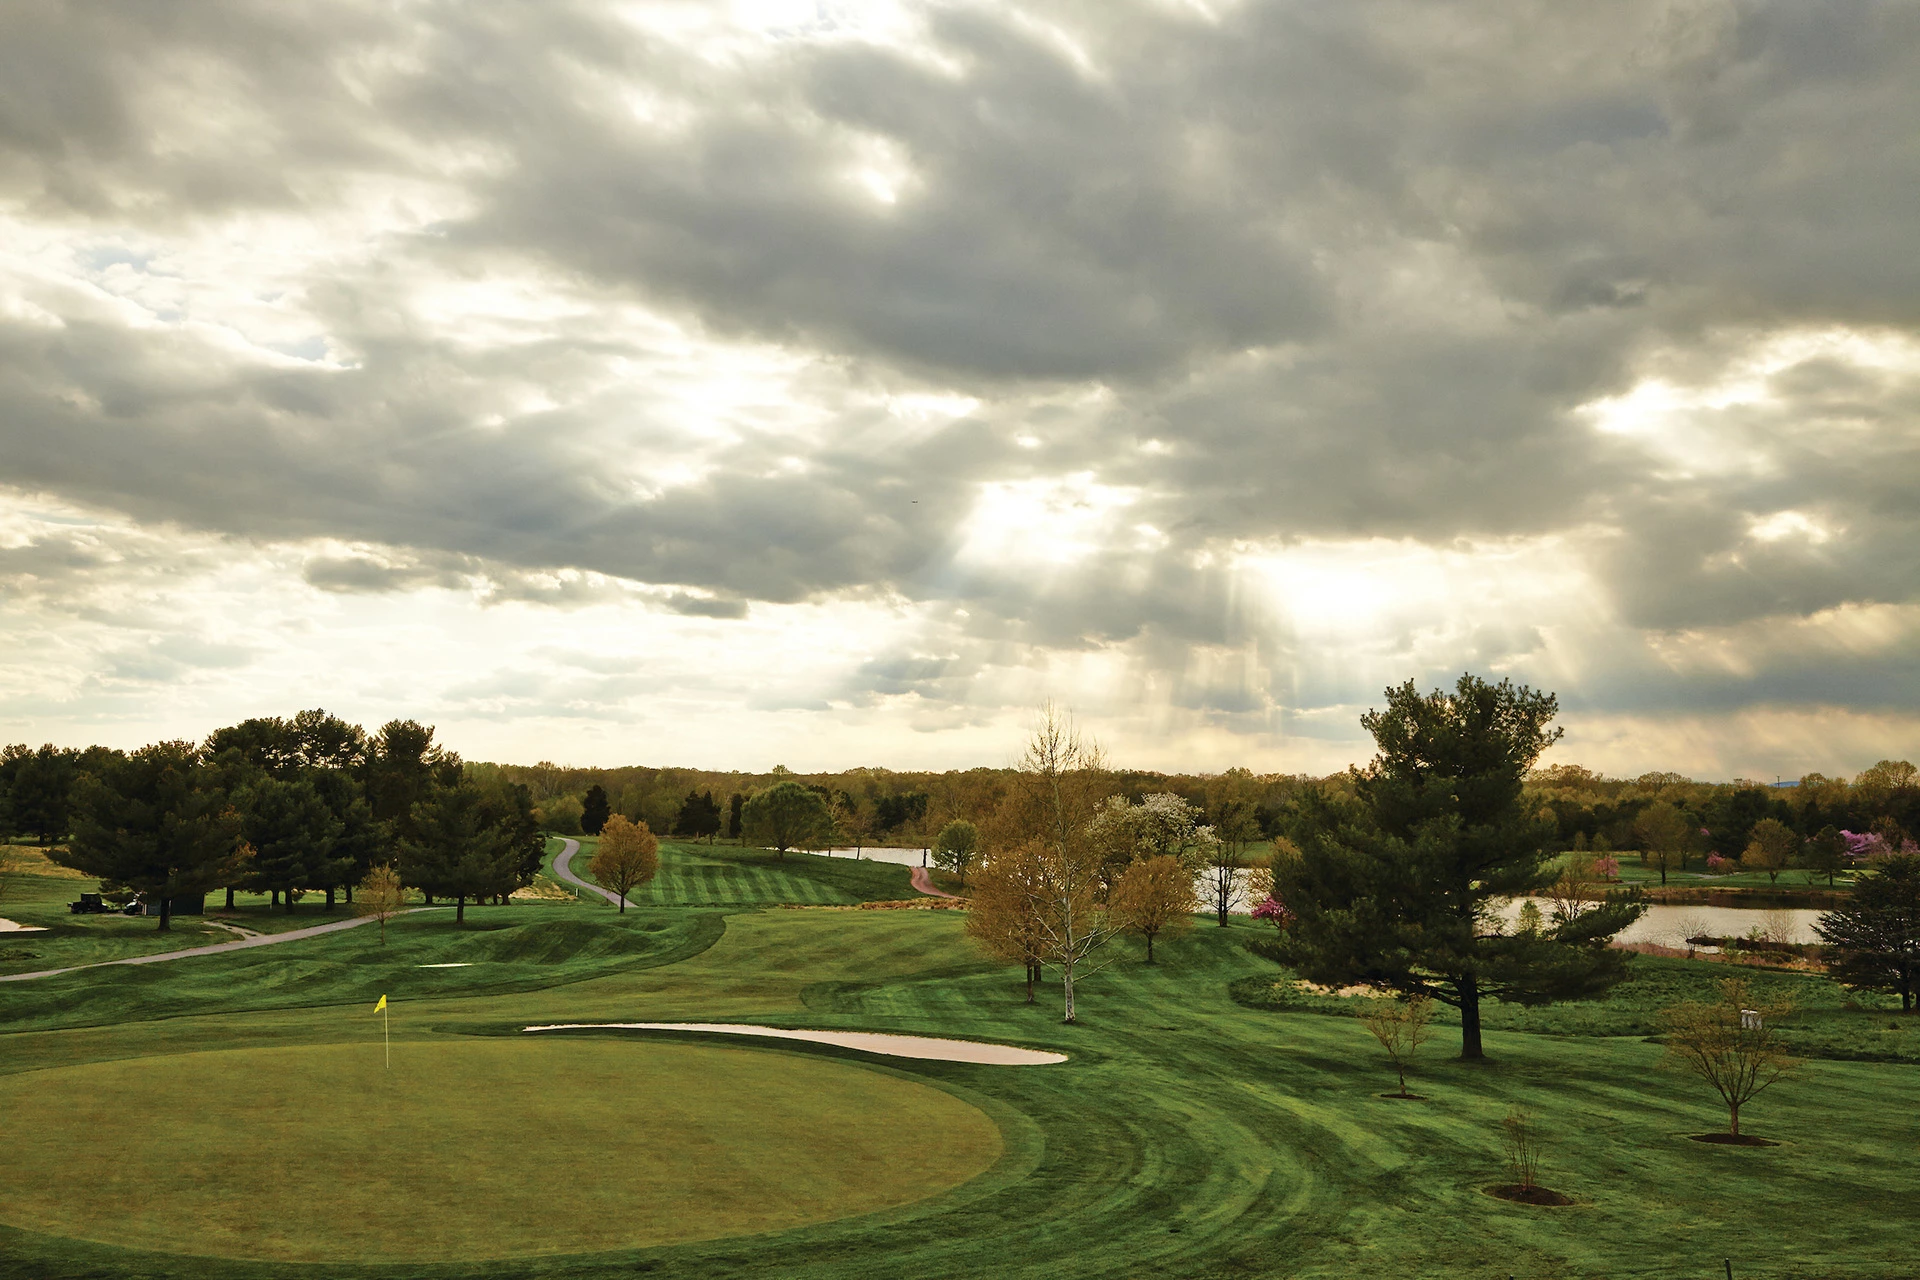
(273, 897)
(287, 907)
(329, 899)
(1066, 982)
(1470, 1020)
(1663, 873)
(1149, 948)
(1032, 975)
(349, 895)
(460, 909)
(229, 897)
(166, 913)
(1733, 1118)
(623, 902)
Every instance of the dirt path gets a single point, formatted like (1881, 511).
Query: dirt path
(256, 940)
(563, 868)
(923, 881)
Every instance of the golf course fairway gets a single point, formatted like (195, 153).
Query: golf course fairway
(467, 1150)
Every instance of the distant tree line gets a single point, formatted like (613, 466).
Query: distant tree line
(867, 806)
(1821, 824)
(282, 807)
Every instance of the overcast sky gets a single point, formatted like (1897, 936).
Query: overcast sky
(830, 383)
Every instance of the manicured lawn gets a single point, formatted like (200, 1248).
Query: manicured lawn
(74, 940)
(1696, 877)
(499, 949)
(459, 1150)
(1189, 1134)
(703, 875)
(1827, 1022)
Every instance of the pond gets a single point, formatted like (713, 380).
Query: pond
(904, 857)
(933, 1048)
(1671, 926)
(1665, 925)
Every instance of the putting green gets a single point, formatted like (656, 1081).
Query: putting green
(469, 1149)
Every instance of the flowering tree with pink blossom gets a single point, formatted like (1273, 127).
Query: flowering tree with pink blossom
(1864, 845)
(1607, 868)
(1719, 866)
(1274, 910)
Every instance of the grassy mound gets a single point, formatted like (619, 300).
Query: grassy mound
(462, 1150)
(523, 947)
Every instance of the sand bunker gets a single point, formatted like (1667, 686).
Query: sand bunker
(14, 926)
(929, 1047)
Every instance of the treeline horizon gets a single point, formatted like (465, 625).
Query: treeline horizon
(1590, 810)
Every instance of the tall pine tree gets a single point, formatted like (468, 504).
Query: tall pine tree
(1875, 938)
(594, 810)
(1402, 869)
(155, 822)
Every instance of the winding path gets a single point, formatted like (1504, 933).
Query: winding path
(563, 867)
(923, 881)
(252, 940)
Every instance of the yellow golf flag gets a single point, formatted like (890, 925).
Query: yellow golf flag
(383, 1004)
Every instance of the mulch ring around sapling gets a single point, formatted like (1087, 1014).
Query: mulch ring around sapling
(1732, 1140)
(1406, 1097)
(1546, 1197)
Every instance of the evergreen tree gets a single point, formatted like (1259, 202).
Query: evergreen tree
(508, 807)
(264, 744)
(156, 823)
(455, 851)
(402, 769)
(595, 809)
(362, 843)
(699, 816)
(1396, 882)
(293, 834)
(735, 803)
(1876, 936)
(43, 781)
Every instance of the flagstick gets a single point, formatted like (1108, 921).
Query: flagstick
(388, 1034)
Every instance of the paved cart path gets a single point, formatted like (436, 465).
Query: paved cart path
(923, 881)
(256, 940)
(563, 867)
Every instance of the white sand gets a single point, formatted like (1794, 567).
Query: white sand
(12, 926)
(930, 1047)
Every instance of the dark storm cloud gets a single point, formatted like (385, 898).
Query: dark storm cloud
(1354, 269)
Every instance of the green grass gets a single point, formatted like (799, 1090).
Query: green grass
(75, 940)
(502, 949)
(322, 1153)
(717, 875)
(1633, 872)
(1189, 1134)
(1827, 1022)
